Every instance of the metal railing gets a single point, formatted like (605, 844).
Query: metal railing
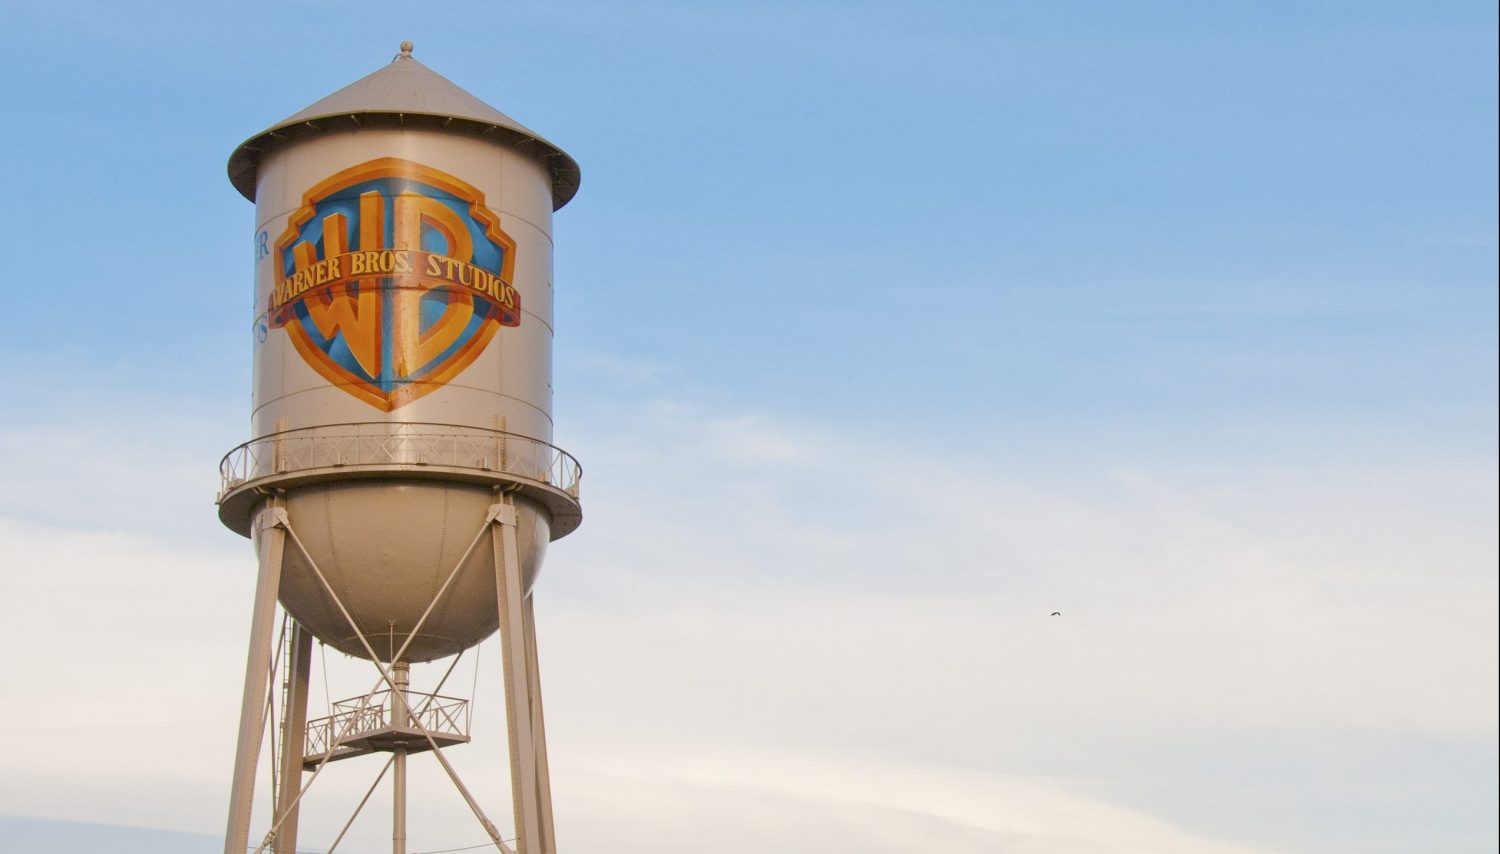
(438, 715)
(399, 443)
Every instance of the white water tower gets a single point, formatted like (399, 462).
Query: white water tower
(400, 485)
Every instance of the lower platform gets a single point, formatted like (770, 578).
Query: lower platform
(374, 724)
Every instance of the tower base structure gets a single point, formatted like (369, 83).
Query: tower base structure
(389, 718)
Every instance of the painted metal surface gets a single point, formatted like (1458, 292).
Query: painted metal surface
(290, 459)
(400, 483)
(406, 95)
(362, 239)
(402, 340)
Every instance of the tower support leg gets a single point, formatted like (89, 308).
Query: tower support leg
(548, 844)
(518, 703)
(293, 737)
(257, 669)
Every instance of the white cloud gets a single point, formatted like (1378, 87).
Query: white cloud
(747, 802)
(805, 634)
(125, 677)
(1307, 591)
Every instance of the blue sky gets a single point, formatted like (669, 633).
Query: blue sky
(1183, 312)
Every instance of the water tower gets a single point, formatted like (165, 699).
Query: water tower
(401, 485)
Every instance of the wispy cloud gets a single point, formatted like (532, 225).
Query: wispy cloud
(791, 628)
(747, 801)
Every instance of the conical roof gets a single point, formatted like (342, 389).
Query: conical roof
(404, 93)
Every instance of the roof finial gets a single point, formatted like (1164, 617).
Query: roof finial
(405, 51)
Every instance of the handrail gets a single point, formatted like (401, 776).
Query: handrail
(435, 713)
(377, 443)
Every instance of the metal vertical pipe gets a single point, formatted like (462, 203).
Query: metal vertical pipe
(398, 806)
(517, 686)
(293, 737)
(257, 664)
(400, 717)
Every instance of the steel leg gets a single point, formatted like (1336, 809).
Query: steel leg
(517, 685)
(293, 738)
(257, 664)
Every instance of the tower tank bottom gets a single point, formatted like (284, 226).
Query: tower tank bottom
(386, 547)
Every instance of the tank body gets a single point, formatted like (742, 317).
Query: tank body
(403, 320)
(414, 183)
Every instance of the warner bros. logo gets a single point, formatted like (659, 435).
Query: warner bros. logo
(391, 279)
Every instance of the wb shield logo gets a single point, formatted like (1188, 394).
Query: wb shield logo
(391, 279)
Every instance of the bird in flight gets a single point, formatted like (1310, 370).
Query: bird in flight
(1057, 613)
